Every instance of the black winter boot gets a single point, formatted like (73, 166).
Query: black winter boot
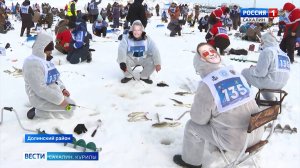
(148, 81)
(178, 160)
(89, 58)
(125, 80)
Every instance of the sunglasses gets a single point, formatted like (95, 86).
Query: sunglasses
(207, 53)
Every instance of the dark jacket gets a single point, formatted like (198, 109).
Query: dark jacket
(93, 7)
(26, 14)
(79, 46)
(137, 12)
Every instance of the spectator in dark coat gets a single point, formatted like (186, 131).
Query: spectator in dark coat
(137, 12)
(93, 10)
(26, 15)
(157, 9)
(235, 17)
(103, 13)
(116, 15)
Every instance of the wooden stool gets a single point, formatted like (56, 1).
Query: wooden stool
(261, 102)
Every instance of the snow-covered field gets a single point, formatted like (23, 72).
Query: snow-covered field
(96, 85)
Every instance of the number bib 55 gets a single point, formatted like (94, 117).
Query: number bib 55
(228, 88)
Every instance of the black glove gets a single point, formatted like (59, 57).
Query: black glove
(80, 128)
(123, 66)
(49, 58)
(7, 45)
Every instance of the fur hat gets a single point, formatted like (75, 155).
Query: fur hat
(49, 47)
(137, 22)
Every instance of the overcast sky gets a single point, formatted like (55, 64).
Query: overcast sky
(248, 3)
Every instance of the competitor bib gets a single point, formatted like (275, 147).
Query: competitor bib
(98, 25)
(172, 9)
(79, 36)
(282, 62)
(92, 5)
(51, 73)
(24, 9)
(222, 30)
(228, 88)
(138, 48)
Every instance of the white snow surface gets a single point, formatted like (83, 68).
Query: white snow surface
(96, 85)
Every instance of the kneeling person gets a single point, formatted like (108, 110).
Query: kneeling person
(136, 48)
(100, 27)
(45, 90)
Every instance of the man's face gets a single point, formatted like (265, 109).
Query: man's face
(137, 31)
(209, 54)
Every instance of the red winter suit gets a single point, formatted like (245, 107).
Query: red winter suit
(218, 37)
(292, 30)
(63, 40)
(217, 14)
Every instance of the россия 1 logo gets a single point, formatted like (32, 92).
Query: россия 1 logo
(260, 15)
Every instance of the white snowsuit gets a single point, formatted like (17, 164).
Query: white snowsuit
(150, 58)
(207, 125)
(266, 74)
(46, 98)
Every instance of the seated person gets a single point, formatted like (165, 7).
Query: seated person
(63, 40)
(100, 27)
(243, 28)
(219, 116)
(253, 33)
(45, 90)
(136, 48)
(203, 23)
(164, 17)
(80, 44)
(272, 69)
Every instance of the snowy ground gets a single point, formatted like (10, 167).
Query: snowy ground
(97, 86)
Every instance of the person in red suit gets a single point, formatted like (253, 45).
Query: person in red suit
(217, 14)
(63, 40)
(292, 29)
(218, 37)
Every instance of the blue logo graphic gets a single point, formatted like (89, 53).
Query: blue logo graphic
(84, 156)
(48, 138)
(254, 12)
(231, 91)
(34, 156)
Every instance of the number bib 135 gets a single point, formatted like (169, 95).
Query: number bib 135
(282, 62)
(228, 88)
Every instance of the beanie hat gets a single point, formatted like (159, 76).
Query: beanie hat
(137, 22)
(49, 47)
(288, 6)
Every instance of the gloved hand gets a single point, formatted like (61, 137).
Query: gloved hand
(49, 58)
(80, 128)
(7, 45)
(123, 66)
